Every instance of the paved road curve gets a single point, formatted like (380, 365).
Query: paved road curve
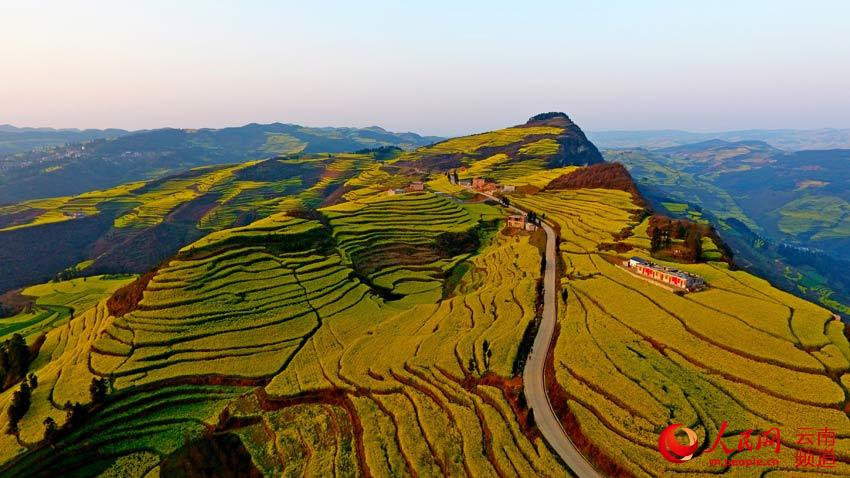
(535, 388)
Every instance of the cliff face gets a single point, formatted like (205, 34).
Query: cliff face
(576, 149)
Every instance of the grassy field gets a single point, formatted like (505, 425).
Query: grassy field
(391, 240)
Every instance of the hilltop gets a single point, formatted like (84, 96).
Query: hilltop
(551, 138)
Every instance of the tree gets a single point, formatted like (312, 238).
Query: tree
(75, 414)
(18, 354)
(529, 419)
(655, 241)
(50, 430)
(506, 201)
(4, 366)
(694, 243)
(99, 389)
(487, 352)
(454, 175)
(33, 380)
(19, 406)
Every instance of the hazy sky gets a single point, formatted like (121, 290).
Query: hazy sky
(432, 67)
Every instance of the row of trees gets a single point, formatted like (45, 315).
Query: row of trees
(21, 401)
(533, 218)
(486, 352)
(452, 176)
(75, 413)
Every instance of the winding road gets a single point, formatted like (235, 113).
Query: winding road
(533, 377)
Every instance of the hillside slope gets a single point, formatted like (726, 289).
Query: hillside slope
(633, 357)
(134, 226)
(786, 215)
(364, 327)
(106, 163)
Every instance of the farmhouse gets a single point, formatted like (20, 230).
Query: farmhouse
(417, 186)
(519, 221)
(667, 275)
(395, 192)
(482, 184)
(508, 188)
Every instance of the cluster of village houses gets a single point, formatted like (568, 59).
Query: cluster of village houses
(520, 221)
(476, 183)
(516, 221)
(485, 185)
(412, 187)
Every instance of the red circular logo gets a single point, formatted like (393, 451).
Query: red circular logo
(671, 449)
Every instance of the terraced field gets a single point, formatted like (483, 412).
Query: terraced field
(632, 357)
(322, 327)
(404, 244)
(503, 137)
(267, 332)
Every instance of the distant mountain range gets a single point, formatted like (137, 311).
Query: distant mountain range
(103, 159)
(787, 139)
(17, 140)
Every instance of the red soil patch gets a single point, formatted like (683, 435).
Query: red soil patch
(127, 298)
(601, 175)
